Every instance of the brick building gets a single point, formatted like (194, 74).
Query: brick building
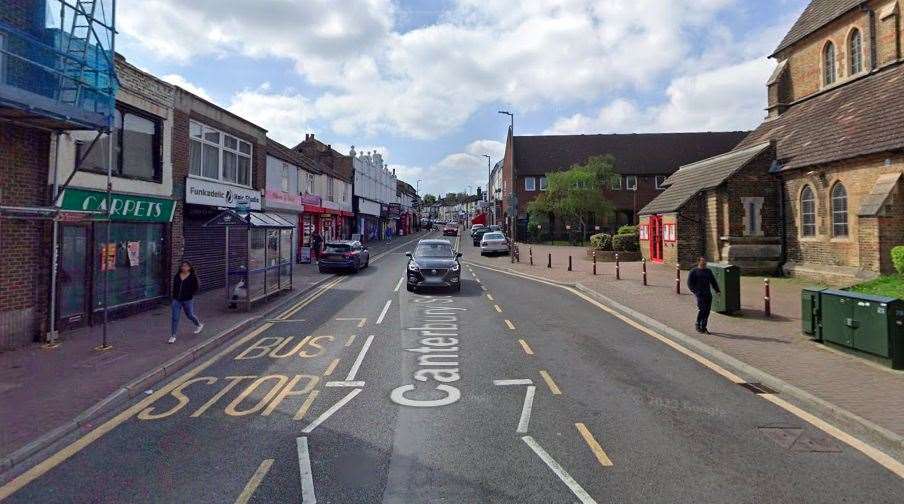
(835, 116)
(642, 161)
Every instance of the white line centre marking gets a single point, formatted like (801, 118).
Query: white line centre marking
(563, 475)
(354, 370)
(521, 381)
(526, 408)
(398, 285)
(346, 383)
(383, 313)
(304, 467)
(328, 413)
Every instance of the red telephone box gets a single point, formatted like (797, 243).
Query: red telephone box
(656, 238)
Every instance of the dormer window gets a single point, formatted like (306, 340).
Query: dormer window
(828, 64)
(855, 52)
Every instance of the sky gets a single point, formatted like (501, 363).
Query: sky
(422, 81)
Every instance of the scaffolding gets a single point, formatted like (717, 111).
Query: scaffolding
(57, 74)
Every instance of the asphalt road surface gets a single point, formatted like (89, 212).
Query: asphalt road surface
(510, 391)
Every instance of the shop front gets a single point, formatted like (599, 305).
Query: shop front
(368, 219)
(133, 261)
(287, 206)
(330, 221)
(308, 221)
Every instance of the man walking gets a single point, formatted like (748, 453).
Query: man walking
(699, 281)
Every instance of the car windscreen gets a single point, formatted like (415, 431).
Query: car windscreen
(493, 236)
(338, 247)
(433, 250)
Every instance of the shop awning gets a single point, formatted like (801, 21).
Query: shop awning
(252, 220)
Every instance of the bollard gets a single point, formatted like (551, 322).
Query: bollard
(549, 260)
(594, 262)
(617, 268)
(677, 279)
(767, 303)
(569, 263)
(643, 267)
(530, 253)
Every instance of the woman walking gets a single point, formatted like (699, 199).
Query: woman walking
(185, 286)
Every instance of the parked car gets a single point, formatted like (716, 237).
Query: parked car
(494, 243)
(450, 229)
(475, 227)
(434, 263)
(478, 235)
(494, 227)
(345, 254)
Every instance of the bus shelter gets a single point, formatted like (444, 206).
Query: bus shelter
(258, 255)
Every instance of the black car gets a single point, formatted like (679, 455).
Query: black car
(434, 263)
(477, 235)
(345, 254)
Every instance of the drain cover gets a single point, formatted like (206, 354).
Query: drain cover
(796, 439)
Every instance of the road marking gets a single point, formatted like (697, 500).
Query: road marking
(306, 405)
(870, 451)
(549, 383)
(595, 447)
(520, 381)
(524, 421)
(345, 383)
(331, 367)
(254, 482)
(79, 444)
(490, 297)
(563, 475)
(526, 347)
(279, 321)
(383, 313)
(351, 339)
(304, 469)
(361, 320)
(398, 285)
(328, 413)
(482, 287)
(498, 309)
(510, 324)
(357, 364)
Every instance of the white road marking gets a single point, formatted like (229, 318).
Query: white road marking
(383, 313)
(482, 287)
(345, 383)
(522, 381)
(563, 475)
(304, 468)
(254, 482)
(279, 321)
(328, 413)
(398, 285)
(524, 421)
(357, 364)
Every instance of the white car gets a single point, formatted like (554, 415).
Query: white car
(494, 243)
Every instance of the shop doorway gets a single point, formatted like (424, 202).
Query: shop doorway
(656, 238)
(74, 271)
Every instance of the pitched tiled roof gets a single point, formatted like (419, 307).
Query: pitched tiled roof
(815, 16)
(297, 158)
(693, 178)
(873, 202)
(635, 154)
(862, 117)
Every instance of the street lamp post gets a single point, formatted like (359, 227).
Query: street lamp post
(511, 119)
(513, 209)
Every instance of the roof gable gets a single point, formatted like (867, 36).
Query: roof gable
(817, 14)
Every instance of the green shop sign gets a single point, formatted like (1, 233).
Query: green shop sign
(122, 206)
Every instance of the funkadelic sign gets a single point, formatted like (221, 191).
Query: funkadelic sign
(122, 206)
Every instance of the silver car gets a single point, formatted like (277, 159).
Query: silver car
(494, 243)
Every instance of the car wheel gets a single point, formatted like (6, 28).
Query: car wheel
(458, 287)
(367, 262)
(321, 269)
(409, 287)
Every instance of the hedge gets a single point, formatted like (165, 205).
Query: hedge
(897, 258)
(627, 230)
(625, 243)
(601, 241)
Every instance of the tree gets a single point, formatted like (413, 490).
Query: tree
(429, 200)
(576, 193)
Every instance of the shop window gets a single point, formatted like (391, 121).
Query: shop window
(828, 64)
(219, 156)
(839, 211)
(530, 184)
(855, 52)
(807, 212)
(631, 183)
(136, 147)
(134, 259)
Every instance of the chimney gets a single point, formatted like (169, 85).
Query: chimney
(393, 172)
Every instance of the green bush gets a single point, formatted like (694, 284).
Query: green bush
(897, 258)
(627, 230)
(601, 241)
(625, 243)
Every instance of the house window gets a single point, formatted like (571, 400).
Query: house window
(660, 182)
(309, 184)
(219, 156)
(615, 183)
(753, 210)
(631, 183)
(285, 177)
(855, 52)
(839, 211)
(530, 184)
(543, 183)
(329, 191)
(807, 212)
(136, 147)
(828, 64)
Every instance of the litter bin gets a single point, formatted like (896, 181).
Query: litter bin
(728, 276)
(810, 312)
(863, 322)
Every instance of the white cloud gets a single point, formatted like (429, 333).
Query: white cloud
(182, 82)
(284, 115)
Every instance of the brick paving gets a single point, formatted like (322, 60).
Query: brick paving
(43, 389)
(774, 345)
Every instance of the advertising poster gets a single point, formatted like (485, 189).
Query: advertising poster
(134, 249)
(108, 257)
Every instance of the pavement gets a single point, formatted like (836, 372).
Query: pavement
(509, 391)
(852, 385)
(64, 383)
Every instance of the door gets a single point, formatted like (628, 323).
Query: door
(73, 275)
(656, 238)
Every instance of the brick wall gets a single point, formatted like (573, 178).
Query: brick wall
(690, 233)
(24, 270)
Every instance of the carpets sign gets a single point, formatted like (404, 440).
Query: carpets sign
(206, 192)
(122, 206)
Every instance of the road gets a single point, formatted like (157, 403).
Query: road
(510, 391)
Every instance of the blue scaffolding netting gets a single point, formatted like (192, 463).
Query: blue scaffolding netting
(57, 59)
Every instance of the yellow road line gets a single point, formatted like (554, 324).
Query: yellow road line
(595, 447)
(351, 339)
(482, 287)
(510, 324)
(490, 297)
(361, 320)
(306, 405)
(549, 383)
(331, 367)
(526, 347)
(498, 309)
(79, 444)
(254, 482)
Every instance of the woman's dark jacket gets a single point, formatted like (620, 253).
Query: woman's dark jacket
(184, 290)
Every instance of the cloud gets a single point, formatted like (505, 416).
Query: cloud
(286, 116)
(182, 82)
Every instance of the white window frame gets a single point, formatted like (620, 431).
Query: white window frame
(628, 185)
(221, 147)
(532, 186)
(616, 183)
(284, 181)
(659, 180)
(543, 183)
(330, 194)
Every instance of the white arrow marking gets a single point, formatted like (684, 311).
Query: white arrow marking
(563, 475)
(328, 413)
